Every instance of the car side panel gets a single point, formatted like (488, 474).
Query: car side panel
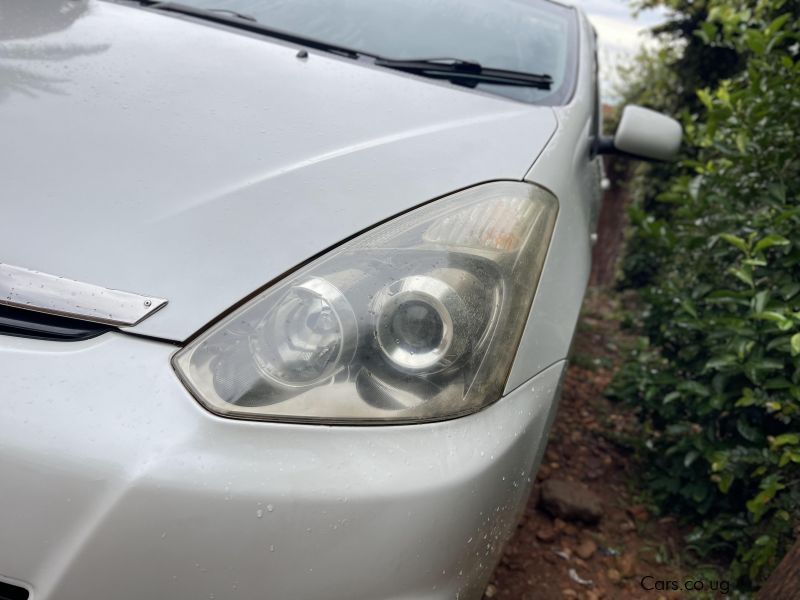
(565, 167)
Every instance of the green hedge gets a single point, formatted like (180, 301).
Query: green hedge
(716, 256)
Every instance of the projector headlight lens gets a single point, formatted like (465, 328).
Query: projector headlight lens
(417, 319)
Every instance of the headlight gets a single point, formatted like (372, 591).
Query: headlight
(417, 319)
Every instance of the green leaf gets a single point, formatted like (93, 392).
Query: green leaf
(694, 186)
(744, 274)
(768, 364)
(705, 98)
(718, 461)
(777, 24)
(747, 399)
(794, 342)
(786, 438)
(755, 40)
(727, 297)
(735, 241)
(755, 262)
(781, 320)
(789, 456)
(743, 348)
(758, 505)
(770, 241)
(722, 361)
(693, 387)
(689, 307)
(777, 191)
(724, 95)
(777, 383)
(741, 142)
(725, 481)
(763, 540)
(760, 300)
(770, 315)
(747, 430)
(707, 32)
(789, 290)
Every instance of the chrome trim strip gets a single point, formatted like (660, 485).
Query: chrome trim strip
(51, 294)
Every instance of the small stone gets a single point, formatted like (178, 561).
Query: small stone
(559, 524)
(544, 472)
(555, 466)
(490, 592)
(591, 595)
(570, 529)
(569, 593)
(586, 549)
(570, 500)
(626, 564)
(613, 575)
(546, 534)
(627, 526)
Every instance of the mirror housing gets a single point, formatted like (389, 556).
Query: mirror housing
(645, 134)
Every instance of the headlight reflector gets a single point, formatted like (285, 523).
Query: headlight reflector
(307, 338)
(417, 319)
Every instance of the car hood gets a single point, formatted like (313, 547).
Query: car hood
(157, 155)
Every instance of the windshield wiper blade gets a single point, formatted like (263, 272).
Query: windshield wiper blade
(233, 13)
(466, 72)
(248, 23)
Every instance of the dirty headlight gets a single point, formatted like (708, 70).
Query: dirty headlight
(417, 319)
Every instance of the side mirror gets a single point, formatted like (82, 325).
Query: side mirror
(645, 134)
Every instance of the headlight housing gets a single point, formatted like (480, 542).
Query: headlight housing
(415, 320)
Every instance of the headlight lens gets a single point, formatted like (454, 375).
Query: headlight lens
(417, 319)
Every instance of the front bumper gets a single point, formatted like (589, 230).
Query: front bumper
(117, 485)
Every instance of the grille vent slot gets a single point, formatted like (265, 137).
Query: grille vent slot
(31, 324)
(12, 592)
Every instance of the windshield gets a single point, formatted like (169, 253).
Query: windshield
(531, 36)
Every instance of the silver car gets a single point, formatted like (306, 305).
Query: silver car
(287, 288)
